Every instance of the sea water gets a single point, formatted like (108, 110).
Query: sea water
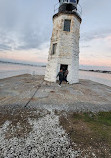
(9, 70)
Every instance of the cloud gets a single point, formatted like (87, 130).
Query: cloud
(4, 47)
(95, 34)
(90, 8)
(108, 39)
(22, 25)
(85, 46)
(33, 38)
(28, 38)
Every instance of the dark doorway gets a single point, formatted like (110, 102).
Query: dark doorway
(63, 67)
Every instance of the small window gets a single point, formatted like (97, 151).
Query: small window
(54, 48)
(67, 24)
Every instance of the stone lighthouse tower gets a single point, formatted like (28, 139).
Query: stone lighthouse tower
(64, 47)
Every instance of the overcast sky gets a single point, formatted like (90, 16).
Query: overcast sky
(26, 27)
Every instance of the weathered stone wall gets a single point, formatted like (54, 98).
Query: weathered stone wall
(67, 51)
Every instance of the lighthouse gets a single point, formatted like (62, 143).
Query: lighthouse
(64, 45)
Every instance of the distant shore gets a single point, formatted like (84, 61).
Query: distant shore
(40, 65)
(100, 71)
(25, 64)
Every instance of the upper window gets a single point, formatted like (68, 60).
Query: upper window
(67, 24)
(54, 48)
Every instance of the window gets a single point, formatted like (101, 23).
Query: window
(67, 24)
(54, 48)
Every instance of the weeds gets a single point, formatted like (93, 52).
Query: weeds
(90, 131)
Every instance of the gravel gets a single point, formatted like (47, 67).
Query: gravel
(46, 140)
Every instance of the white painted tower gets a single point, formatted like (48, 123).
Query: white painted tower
(64, 47)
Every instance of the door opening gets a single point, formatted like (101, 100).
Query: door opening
(64, 67)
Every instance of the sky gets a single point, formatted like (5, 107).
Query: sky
(26, 28)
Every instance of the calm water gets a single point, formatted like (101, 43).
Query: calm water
(8, 70)
(96, 77)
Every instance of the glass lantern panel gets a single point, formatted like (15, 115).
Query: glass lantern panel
(73, 1)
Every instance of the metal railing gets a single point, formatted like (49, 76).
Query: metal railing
(56, 7)
(79, 8)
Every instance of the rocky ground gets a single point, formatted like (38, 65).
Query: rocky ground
(30, 112)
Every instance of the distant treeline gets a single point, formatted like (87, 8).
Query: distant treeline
(100, 71)
(8, 62)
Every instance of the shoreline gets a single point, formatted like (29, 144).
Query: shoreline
(99, 71)
(44, 65)
(105, 81)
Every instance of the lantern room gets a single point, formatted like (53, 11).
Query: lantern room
(75, 2)
(68, 5)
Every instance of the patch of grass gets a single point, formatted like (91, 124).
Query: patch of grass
(90, 131)
(100, 124)
(100, 118)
